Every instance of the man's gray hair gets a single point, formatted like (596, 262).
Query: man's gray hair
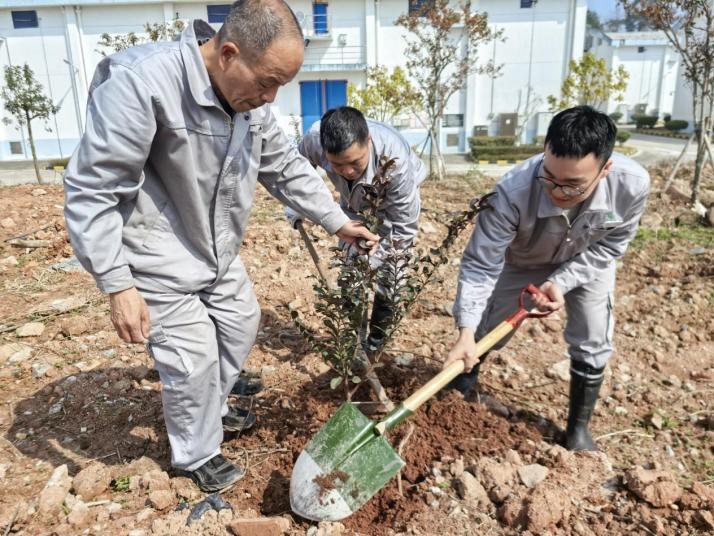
(254, 24)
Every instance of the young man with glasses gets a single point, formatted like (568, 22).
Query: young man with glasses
(560, 221)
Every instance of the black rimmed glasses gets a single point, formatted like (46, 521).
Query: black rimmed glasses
(567, 191)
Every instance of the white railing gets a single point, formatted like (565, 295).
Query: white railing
(334, 55)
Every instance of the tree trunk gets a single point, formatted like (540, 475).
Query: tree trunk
(696, 180)
(32, 146)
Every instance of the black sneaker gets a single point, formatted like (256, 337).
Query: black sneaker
(247, 386)
(238, 419)
(214, 475)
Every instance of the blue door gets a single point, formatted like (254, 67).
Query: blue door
(319, 18)
(318, 96)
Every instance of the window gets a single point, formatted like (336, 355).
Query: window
(218, 13)
(452, 140)
(419, 6)
(528, 3)
(319, 18)
(15, 147)
(640, 49)
(453, 120)
(24, 19)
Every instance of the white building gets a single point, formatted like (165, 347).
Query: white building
(652, 64)
(59, 42)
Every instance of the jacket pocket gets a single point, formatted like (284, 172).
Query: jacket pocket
(171, 360)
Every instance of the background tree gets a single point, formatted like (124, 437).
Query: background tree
(590, 82)
(164, 31)
(385, 96)
(689, 27)
(592, 20)
(441, 53)
(25, 100)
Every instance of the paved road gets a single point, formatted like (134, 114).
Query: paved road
(651, 149)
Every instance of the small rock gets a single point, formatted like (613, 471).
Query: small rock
(9, 261)
(469, 488)
(427, 227)
(547, 507)
(559, 371)
(55, 491)
(70, 265)
(31, 329)
(674, 381)
(156, 480)
(260, 526)
(113, 507)
(7, 223)
(74, 326)
(162, 499)
(699, 250)
(532, 475)
(91, 481)
(710, 215)
(145, 514)
(3, 469)
(14, 353)
(136, 532)
(513, 457)
(657, 487)
(457, 468)
(80, 516)
(40, 368)
(404, 360)
(38, 192)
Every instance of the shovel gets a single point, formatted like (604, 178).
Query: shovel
(350, 459)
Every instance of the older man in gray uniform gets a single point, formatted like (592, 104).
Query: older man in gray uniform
(158, 196)
(559, 220)
(348, 147)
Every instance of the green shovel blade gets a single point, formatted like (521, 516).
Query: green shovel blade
(344, 465)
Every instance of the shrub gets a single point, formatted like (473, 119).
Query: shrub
(616, 116)
(505, 153)
(667, 117)
(60, 162)
(622, 136)
(492, 140)
(539, 140)
(676, 124)
(645, 121)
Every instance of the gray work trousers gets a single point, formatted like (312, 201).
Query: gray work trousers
(590, 319)
(199, 340)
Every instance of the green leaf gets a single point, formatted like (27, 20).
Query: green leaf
(356, 379)
(335, 382)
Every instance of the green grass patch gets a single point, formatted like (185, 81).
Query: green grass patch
(696, 235)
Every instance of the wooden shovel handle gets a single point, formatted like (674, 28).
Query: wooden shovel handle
(434, 385)
(313, 253)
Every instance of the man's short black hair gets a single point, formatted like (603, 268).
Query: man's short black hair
(341, 127)
(579, 131)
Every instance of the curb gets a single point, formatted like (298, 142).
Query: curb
(498, 162)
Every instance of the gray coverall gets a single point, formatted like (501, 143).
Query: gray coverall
(158, 195)
(402, 204)
(525, 239)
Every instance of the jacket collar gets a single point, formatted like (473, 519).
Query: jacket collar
(196, 72)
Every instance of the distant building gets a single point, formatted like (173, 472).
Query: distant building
(59, 42)
(652, 64)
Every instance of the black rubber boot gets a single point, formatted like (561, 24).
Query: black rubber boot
(379, 322)
(214, 475)
(246, 386)
(467, 382)
(585, 382)
(238, 419)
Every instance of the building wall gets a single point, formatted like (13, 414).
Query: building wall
(362, 32)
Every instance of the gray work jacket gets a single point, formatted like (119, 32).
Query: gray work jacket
(401, 207)
(163, 179)
(525, 229)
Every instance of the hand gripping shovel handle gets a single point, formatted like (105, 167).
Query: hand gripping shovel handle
(433, 386)
(313, 253)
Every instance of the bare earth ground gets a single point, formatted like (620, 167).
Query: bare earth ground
(74, 394)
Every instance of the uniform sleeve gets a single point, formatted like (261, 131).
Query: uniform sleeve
(483, 259)
(585, 266)
(290, 178)
(107, 170)
(310, 147)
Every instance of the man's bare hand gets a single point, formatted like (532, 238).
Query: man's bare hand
(554, 300)
(465, 349)
(130, 315)
(353, 232)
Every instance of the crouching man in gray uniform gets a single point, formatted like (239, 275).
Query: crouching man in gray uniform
(158, 195)
(348, 147)
(560, 221)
